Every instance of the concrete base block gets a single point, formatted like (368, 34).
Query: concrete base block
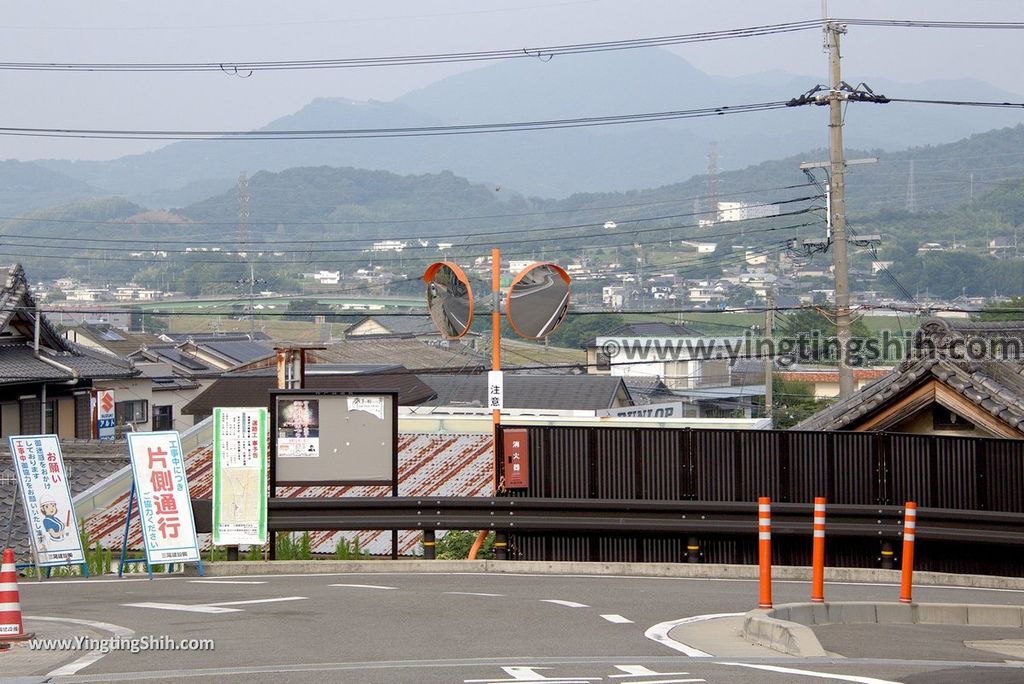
(851, 613)
(940, 614)
(994, 616)
(894, 613)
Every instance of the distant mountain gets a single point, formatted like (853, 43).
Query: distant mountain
(27, 186)
(556, 163)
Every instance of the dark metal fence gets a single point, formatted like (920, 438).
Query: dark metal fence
(857, 468)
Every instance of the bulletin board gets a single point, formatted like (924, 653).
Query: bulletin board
(333, 437)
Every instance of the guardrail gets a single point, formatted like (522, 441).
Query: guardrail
(542, 515)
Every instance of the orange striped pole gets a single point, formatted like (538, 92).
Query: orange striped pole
(818, 554)
(764, 543)
(907, 562)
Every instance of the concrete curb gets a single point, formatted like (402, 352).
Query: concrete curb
(677, 570)
(786, 628)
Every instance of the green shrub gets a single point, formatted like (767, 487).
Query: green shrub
(455, 545)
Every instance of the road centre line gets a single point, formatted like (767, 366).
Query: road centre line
(659, 633)
(567, 604)
(211, 581)
(362, 586)
(617, 619)
(471, 593)
(266, 600)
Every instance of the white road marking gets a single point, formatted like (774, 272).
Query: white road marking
(362, 586)
(567, 604)
(227, 582)
(530, 674)
(659, 633)
(809, 673)
(266, 600)
(470, 593)
(183, 607)
(92, 656)
(641, 671)
(218, 607)
(617, 619)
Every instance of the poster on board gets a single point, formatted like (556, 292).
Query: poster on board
(165, 508)
(52, 525)
(239, 476)
(298, 428)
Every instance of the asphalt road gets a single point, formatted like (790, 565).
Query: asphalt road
(453, 628)
(534, 306)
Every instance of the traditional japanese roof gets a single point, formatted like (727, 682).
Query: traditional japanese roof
(252, 388)
(18, 363)
(118, 342)
(582, 392)
(412, 354)
(396, 325)
(995, 385)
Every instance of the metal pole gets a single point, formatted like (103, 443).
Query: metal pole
(838, 208)
(769, 320)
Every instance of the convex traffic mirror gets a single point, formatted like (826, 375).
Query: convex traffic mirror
(449, 299)
(538, 300)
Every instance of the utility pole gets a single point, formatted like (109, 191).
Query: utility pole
(836, 96)
(769, 361)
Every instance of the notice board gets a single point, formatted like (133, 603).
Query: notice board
(333, 437)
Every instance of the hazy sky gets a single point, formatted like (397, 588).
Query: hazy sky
(231, 30)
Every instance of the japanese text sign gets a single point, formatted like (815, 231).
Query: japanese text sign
(495, 390)
(52, 525)
(239, 476)
(165, 508)
(516, 458)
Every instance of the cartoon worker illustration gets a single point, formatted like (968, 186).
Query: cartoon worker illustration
(55, 528)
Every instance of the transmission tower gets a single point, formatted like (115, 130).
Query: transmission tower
(911, 194)
(713, 180)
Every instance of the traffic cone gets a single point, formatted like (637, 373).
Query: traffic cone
(11, 627)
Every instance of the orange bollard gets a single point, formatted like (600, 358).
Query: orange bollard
(818, 554)
(907, 562)
(764, 544)
(11, 627)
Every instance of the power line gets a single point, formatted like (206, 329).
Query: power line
(543, 53)
(400, 132)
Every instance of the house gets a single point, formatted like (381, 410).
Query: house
(46, 381)
(416, 355)
(939, 389)
(824, 382)
(696, 369)
(104, 337)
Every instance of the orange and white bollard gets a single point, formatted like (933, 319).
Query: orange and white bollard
(907, 562)
(11, 627)
(818, 553)
(764, 545)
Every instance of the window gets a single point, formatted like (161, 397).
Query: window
(163, 417)
(604, 362)
(136, 411)
(945, 419)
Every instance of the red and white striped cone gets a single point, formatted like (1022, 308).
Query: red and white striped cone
(11, 627)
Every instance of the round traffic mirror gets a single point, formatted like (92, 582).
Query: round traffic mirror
(449, 299)
(538, 300)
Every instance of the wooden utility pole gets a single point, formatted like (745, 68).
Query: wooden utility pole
(838, 205)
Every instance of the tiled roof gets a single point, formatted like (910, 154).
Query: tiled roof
(995, 385)
(18, 365)
(582, 392)
(118, 342)
(412, 354)
(832, 375)
(253, 388)
(401, 325)
(428, 464)
(236, 351)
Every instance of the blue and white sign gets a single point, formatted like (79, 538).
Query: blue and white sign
(158, 469)
(52, 525)
(106, 423)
